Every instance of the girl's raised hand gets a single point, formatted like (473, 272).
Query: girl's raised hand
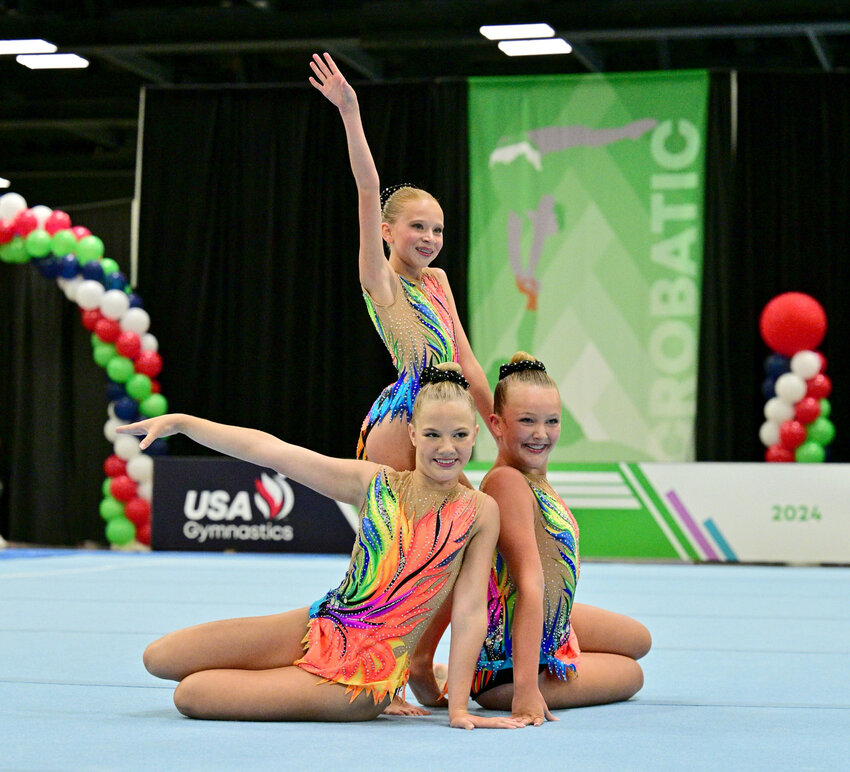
(151, 428)
(331, 83)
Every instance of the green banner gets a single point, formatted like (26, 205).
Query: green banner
(586, 250)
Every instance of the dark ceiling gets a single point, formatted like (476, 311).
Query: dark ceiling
(78, 128)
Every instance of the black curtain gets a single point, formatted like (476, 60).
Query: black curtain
(53, 398)
(777, 199)
(249, 242)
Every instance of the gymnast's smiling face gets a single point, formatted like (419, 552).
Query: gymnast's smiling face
(528, 427)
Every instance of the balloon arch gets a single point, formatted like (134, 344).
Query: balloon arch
(121, 344)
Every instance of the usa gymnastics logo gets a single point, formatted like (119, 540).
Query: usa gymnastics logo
(227, 515)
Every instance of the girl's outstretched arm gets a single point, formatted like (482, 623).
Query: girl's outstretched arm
(342, 479)
(472, 370)
(469, 622)
(376, 276)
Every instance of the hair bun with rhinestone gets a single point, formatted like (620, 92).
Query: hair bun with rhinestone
(523, 364)
(433, 374)
(387, 192)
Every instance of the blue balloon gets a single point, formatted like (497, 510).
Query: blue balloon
(158, 447)
(68, 266)
(135, 300)
(776, 365)
(93, 270)
(114, 391)
(768, 388)
(126, 409)
(48, 267)
(115, 280)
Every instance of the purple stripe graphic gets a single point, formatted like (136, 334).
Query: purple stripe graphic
(692, 526)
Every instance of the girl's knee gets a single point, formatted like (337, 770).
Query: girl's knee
(187, 698)
(642, 642)
(158, 663)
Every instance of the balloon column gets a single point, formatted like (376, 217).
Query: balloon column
(797, 426)
(121, 344)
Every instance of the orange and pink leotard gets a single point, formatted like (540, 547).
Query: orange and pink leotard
(418, 330)
(406, 558)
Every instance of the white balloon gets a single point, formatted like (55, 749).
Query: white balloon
(769, 433)
(136, 320)
(11, 204)
(41, 213)
(127, 446)
(145, 489)
(114, 304)
(778, 411)
(89, 294)
(806, 364)
(790, 388)
(110, 410)
(71, 286)
(140, 468)
(109, 429)
(149, 342)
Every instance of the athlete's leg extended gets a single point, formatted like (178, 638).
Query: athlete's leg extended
(247, 643)
(278, 694)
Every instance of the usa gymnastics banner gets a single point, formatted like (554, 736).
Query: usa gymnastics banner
(586, 250)
(221, 504)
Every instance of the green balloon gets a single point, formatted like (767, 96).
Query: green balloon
(105, 487)
(109, 266)
(825, 407)
(37, 243)
(821, 431)
(103, 353)
(63, 243)
(120, 369)
(809, 453)
(5, 254)
(153, 406)
(138, 386)
(120, 531)
(111, 508)
(15, 251)
(89, 248)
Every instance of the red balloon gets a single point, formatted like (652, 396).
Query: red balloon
(793, 322)
(778, 454)
(792, 434)
(90, 317)
(80, 231)
(148, 363)
(7, 231)
(819, 386)
(143, 533)
(156, 388)
(123, 488)
(807, 409)
(115, 467)
(107, 330)
(25, 222)
(57, 221)
(138, 511)
(822, 361)
(128, 344)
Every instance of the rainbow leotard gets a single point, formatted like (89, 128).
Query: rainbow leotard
(405, 560)
(418, 330)
(556, 531)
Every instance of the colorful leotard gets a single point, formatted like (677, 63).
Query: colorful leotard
(405, 560)
(556, 532)
(418, 330)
